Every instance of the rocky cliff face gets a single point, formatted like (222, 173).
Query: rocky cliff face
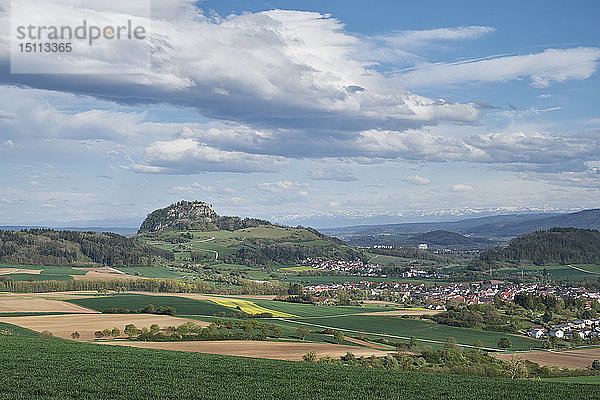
(194, 215)
(191, 211)
(182, 215)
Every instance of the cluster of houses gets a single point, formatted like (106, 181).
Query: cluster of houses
(358, 268)
(454, 293)
(437, 295)
(586, 329)
(350, 267)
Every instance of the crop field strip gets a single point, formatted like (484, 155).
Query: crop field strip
(64, 325)
(580, 358)
(249, 307)
(310, 310)
(278, 350)
(592, 380)
(290, 332)
(182, 305)
(37, 369)
(404, 328)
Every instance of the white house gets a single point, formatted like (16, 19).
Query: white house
(577, 324)
(558, 333)
(537, 332)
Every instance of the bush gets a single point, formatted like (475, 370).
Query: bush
(311, 356)
(46, 335)
(504, 343)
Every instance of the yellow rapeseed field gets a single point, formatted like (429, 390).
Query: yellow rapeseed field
(249, 307)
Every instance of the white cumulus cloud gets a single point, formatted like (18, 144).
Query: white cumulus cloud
(187, 156)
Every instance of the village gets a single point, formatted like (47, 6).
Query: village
(440, 296)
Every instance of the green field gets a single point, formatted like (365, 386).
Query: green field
(40, 369)
(563, 272)
(310, 310)
(406, 327)
(594, 380)
(592, 268)
(136, 301)
(159, 272)
(49, 273)
(290, 332)
(16, 330)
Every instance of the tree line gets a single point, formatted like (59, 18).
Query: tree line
(143, 285)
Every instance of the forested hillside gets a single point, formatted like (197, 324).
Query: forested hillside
(554, 246)
(49, 247)
(268, 252)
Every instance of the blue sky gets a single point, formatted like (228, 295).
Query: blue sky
(321, 113)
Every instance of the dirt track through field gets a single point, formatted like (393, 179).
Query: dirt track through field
(258, 349)
(86, 324)
(563, 359)
(368, 344)
(103, 274)
(17, 304)
(8, 271)
(402, 312)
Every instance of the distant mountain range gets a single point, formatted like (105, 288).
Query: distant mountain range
(495, 228)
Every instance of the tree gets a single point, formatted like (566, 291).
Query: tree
(303, 332)
(547, 317)
(106, 332)
(596, 365)
(349, 358)
(98, 334)
(115, 332)
(278, 331)
(184, 329)
(295, 289)
(131, 330)
(343, 297)
(413, 342)
(46, 335)
(504, 343)
(451, 343)
(149, 309)
(75, 335)
(154, 328)
(338, 336)
(516, 367)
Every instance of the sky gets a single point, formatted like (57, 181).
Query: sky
(314, 113)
